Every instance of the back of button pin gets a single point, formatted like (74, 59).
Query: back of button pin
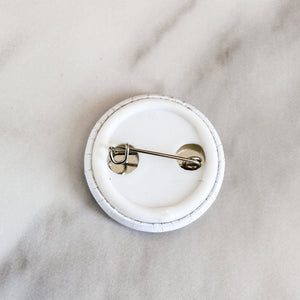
(159, 195)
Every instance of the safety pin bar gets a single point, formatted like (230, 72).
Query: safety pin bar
(191, 163)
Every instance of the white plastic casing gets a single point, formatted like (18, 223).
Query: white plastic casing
(158, 195)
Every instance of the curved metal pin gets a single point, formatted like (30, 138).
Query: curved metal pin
(113, 153)
(190, 163)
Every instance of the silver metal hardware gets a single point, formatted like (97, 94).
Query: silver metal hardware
(190, 150)
(188, 163)
(126, 167)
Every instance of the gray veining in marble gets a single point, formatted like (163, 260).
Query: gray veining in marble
(64, 63)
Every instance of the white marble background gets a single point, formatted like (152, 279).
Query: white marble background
(64, 63)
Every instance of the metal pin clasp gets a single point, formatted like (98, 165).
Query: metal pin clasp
(113, 152)
(188, 163)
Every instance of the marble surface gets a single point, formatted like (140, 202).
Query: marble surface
(64, 63)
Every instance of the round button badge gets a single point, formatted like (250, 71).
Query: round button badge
(154, 163)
